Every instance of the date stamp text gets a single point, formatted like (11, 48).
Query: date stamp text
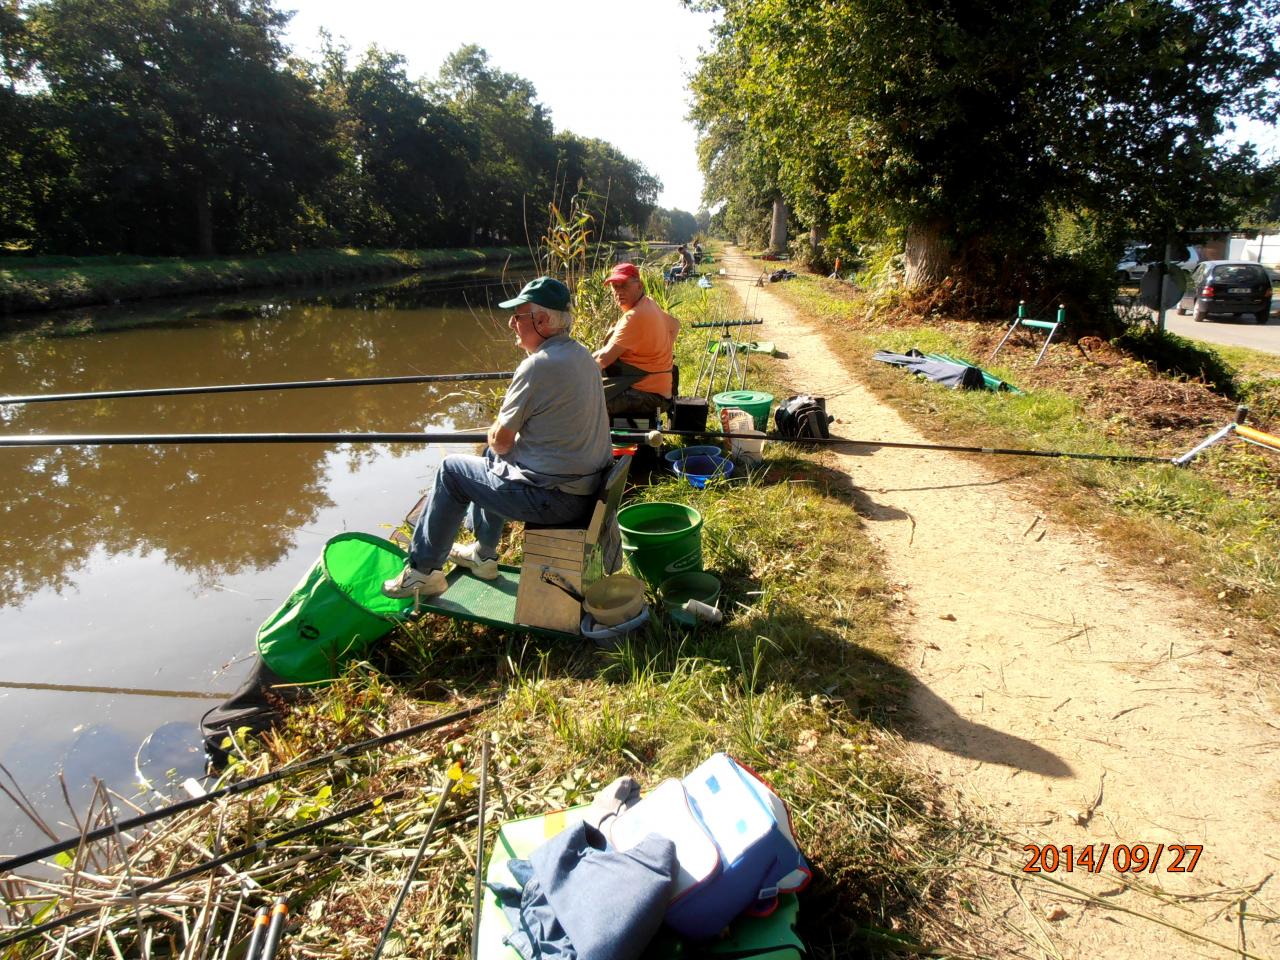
(1122, 857)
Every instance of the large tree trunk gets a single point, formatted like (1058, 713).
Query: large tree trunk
(928, 255)
(778, 228)
(817, 237)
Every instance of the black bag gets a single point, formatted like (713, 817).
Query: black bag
(803, 416)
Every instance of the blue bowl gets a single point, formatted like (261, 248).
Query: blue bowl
(701, 450)
(698, 469)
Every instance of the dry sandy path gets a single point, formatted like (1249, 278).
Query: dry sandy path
(1063, 673)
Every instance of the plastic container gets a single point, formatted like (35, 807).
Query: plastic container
(698, 450)
(678, 590)
(750, 449)
(754, 402)
(661, 539)
(700, 470)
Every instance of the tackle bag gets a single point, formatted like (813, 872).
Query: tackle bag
(735, 846)
(336, 612)
(803, 416)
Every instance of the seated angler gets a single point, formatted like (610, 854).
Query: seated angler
(637, 358)
(547, 450)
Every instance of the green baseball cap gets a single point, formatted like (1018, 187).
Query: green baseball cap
(545, 292)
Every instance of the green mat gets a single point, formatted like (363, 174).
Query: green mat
(767, 938)
(491, 602)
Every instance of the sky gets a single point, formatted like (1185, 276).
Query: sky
(609, 69)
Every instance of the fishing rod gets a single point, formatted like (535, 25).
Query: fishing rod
(205, 866)
(241, 787)
(120, 691)
(250, 387)
(148, 439)
(413, 867)
(725, 323)
(951, 448)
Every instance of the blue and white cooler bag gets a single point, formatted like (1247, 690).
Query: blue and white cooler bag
(734, 844)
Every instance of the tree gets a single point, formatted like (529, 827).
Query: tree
(959, 126)
(510, 134)
(620, 192)
(185, 128)
(404, 159)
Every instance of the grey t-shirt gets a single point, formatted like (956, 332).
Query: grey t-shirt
(555, 405)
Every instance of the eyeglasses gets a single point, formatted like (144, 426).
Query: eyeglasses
(523, 316)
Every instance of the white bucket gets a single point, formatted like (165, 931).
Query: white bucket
(748, 443)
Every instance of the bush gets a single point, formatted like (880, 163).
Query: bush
(1170, 353)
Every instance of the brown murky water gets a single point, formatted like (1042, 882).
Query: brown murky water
(151, 567)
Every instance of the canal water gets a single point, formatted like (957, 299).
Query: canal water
(150, 568)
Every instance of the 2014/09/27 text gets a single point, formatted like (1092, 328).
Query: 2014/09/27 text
(1123, 857)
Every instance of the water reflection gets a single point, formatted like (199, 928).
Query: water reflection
(152, 566)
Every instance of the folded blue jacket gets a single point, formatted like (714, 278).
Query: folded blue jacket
(583, 900)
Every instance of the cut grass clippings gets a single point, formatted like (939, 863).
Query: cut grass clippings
(1214, 526)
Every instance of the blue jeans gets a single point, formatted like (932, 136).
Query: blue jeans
(466, 488)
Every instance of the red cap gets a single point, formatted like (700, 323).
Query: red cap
(622, 272)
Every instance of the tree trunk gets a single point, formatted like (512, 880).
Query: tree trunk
(204, 220)
(928, 255)
(778, 228)
(817, 237)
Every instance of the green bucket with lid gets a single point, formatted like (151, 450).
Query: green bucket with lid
(754, 402)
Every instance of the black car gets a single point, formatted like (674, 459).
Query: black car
(1227, 287)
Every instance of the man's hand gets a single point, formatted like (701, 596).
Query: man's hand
(501, 440)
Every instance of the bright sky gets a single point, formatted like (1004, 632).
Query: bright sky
(613, 69)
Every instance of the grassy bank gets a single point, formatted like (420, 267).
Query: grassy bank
(29, 284)
(1213, 527)
(801, 682)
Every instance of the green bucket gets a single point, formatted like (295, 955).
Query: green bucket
(336, 612)
(661, 539)
(754, 402)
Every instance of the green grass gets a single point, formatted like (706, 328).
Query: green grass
(46, 283)
(1214, 526)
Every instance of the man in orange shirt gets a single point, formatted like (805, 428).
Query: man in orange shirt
(637, 358)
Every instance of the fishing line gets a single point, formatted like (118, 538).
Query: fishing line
(242, 787)
(249, 387)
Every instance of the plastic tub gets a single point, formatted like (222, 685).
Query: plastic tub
(754, 402)
(748, 444)
(699, 471)
(661, 539)
(697, 450)
(676, 591)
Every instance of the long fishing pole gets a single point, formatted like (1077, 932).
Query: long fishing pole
(901, 445)
(242, 787)
(205, 866)
(250, 387)
(149, 439)
(413, 867)
(120, 691)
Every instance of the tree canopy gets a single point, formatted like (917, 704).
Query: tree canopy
(963, 126)
(187, 126)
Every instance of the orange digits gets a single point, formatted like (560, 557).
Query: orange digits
(1122, 858)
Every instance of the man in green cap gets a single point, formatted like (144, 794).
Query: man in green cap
(547, 449)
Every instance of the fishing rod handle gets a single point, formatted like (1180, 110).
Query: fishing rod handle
(725, 323)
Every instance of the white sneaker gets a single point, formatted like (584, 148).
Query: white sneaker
(468, 555)
(415, 583)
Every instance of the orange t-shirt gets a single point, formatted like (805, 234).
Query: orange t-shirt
(648, 336)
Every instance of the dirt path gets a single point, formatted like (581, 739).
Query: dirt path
(1053, 685)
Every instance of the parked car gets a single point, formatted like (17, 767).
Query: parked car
(1227, 288)
(1133, 265)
